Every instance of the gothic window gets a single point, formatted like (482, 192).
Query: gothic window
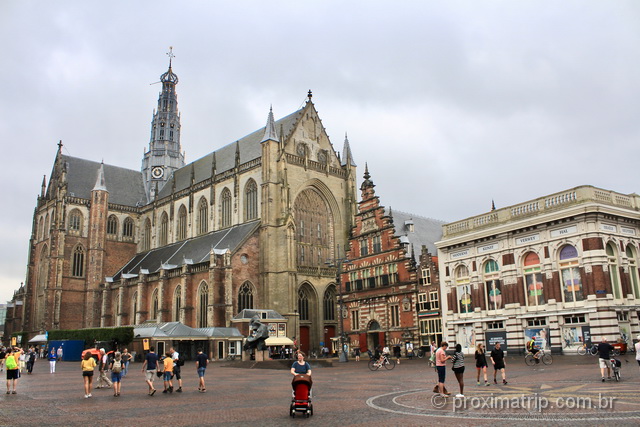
(112, 225)
(492, 285)
(225, 208)
(127, 228)
(533, 285)
(303, 304)
(633, 269)
(47, 227)
(75, 221)
(203, 215)
(134, 308)
(245, 297)
(250, 200)
(164, 229)
(203, 303)
(177, 303)
(146, 235)
(614, 276)
(314, 224)
(155, 306)
(463, 289)
(329, 303)
(40, 228)
(181, 231)
(77, 263)
(570, 274)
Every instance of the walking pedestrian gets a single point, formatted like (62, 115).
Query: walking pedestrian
(201, 367)
(441, 367)
(356, 352)
(103, 380)
(126, 358)
(13, 370)
(59, 354)
(176, 367)
(151, 365)
(3, 354)
(31, 360)
(481, 364)
(22, 360)
(168, 373)
(458, 368)
(637, 346)
(116, 373)
(497, 358)
(88, 364)
(604, 350)
(52, 361)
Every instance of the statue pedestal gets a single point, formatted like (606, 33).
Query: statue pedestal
(260, 356)
(246, 356)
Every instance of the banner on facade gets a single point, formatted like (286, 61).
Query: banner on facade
(542, 337)
(494, 337)
(466, 337)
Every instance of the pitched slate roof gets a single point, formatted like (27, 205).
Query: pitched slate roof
(248, 314)
(426, 231)
(193, 250)
(249, 148)
(173, 330)
(218, 332)
(125, 186)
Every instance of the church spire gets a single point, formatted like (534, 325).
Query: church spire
(347, 157)
(165, 154)
(270, 133)
(100, 182)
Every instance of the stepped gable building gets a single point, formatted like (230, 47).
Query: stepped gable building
(562, 268)
(248, 226)
(381, 290)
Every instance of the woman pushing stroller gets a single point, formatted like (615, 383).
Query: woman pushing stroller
(300, 367)
(301, 384)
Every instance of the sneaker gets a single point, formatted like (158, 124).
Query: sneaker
(459, 395)
(152, 392)
(494, 381)
(8, 392)
(504, 382)
(170, 389)
(444, 395)
(487, 384)
(165, 391)
(478, 382)
(179, 390)
(86, 396)
(90, 395)
(13, 392)
(602, 379)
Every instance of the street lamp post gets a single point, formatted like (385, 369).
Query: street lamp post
(343, 354)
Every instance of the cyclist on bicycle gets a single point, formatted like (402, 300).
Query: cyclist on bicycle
(534, 349)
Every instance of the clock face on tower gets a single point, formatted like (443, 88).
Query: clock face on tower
(157, 172)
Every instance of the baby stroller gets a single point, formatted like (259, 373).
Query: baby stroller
(301, 396)
(615, 367)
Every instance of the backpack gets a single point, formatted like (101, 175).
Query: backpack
(117, 367)
(530, 345)
(11, 363)
(180, 361)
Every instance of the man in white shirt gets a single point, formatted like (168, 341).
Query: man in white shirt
(176, 368)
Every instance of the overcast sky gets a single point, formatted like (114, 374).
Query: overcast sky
(451, 103)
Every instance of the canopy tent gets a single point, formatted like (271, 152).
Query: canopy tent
(39, 338)
(278, 341)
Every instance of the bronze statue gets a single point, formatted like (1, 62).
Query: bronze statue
(257, 335)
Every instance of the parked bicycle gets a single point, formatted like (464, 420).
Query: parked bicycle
(389, 364)
(584, 350)
(542, 356)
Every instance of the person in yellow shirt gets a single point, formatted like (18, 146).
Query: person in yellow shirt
(13, 369)
(88, 365)
(168, 373)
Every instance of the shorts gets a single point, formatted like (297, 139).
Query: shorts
(87, 373)
(442, 373)
(498, 366)
(149, 374)
(605, 363)
(116, 377)
(202, 370)
(13, 374)
(176, 372)
(459, 370)
(481, 366)
(638, 360)
(168, 375)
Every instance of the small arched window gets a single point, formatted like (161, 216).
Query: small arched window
(47, 227)
(177, 303)
(303, 304)
(245, 297)
(225, 208)
(164, 229)
(75, 221)
(146, 235)
(112, 225)
(570, 274)
(533, 285)
(77, 262)
(134, 308)
(203, 303)
(329, 304)
(203, 216)
(250, 200)
(155, 305)
(127, 228)
(182, 223)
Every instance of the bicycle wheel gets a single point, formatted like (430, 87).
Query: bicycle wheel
(373, 365)
(616, 352)
(582, 351)
(547, 359)
(390, 364)
(529, 360)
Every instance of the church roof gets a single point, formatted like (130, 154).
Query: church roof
(190, 251)
(249, 149)
(125, 186)
(426, 231)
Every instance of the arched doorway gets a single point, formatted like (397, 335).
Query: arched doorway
(375, 336)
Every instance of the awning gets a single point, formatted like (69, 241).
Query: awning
(278, 341)
(39, 338)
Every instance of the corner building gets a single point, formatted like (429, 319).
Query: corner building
(562, 268)
(248, 226)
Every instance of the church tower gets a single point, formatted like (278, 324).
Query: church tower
(165, 153)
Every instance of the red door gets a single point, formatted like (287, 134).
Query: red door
(331, 332)
(304, 339)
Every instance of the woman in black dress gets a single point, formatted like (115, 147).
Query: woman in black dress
(481, 364)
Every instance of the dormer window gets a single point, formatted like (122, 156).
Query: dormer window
(408, 226)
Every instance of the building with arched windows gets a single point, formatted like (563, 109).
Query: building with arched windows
(562, 268)
(248, 226)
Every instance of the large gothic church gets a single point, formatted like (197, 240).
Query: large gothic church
(250, 225)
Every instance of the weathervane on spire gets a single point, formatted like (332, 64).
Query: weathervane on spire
(170, 55)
